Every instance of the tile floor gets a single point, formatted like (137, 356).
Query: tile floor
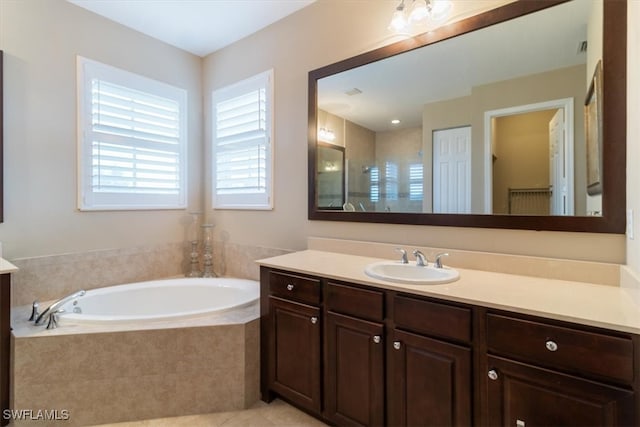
(277, 413)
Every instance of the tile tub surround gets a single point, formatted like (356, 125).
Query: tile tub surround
(51, 277)
(109, 377)
(236, 260)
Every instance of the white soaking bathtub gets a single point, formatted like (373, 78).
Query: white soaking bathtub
(165, 348)
(160, 300)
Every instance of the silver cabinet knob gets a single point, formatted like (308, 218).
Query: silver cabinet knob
(492, 374)
(377, 339)
(397, 345)
(289, 287)
(551, 345)
(314, 320)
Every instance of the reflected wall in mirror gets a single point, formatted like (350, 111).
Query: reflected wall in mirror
(487, 124)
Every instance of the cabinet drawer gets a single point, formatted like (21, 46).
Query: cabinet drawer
(560, 347)
(432, 318)
(362, 303)
(298, 288)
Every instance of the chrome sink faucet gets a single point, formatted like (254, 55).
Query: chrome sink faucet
(421, 260)
(403, 258)
(438, 261)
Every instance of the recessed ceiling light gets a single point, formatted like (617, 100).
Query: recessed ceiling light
(395, 121)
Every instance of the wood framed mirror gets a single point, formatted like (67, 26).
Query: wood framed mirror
(402, 206)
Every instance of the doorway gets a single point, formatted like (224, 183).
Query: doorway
(545, 188)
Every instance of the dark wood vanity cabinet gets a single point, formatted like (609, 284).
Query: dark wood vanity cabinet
(354, 355)
(430, 359)
(380, 357)
(294, 340)
(543, 374)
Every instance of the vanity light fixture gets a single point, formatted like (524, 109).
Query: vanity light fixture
(326, 135)
(395, 121)
(420, 12)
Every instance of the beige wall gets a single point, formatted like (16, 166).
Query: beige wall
(323, 33)
(521, 155)
(469, 110)
(41, 39)
(633, 130)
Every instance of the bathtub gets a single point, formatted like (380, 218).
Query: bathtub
(160, 300)
(144, 350)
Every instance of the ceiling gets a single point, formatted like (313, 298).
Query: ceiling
(197, 26)
(400, 86)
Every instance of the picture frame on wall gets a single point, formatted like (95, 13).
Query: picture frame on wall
(593, 132)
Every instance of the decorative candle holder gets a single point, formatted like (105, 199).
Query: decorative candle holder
(207, 255)
(194, 255)
(194, 260)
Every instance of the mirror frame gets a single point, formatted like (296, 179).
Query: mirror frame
(614, 128)
(1, 139)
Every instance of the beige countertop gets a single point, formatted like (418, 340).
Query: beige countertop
(610, 307)
(7, 267)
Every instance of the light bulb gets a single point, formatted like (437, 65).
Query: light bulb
(398, 20)
(418, 11)
(440, 10)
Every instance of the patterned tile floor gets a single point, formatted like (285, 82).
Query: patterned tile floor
(277, 413)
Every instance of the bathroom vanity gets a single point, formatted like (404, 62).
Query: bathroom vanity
(491, 349)
(6, 269)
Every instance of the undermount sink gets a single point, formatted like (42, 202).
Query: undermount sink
(395, 271)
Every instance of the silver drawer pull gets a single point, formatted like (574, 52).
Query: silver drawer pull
(493, 374)
(377, 339)
(314, 320)
(289, 287)
(397, 345)
(551, 345)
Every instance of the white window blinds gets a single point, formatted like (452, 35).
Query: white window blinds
(415, 181)
(242, 134)
(132, 140)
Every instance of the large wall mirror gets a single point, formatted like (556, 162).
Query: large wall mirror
(515, 118)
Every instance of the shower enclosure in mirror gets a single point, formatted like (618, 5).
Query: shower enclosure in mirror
(480, 123)
(331, 176)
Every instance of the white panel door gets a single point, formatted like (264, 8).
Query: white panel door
(452, 170)
(561, 197)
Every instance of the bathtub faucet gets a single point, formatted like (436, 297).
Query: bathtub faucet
(53, 308)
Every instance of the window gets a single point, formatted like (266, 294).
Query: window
(242, 149)
(391, 179)
(415, 181)
(374, 179)
(132, 140)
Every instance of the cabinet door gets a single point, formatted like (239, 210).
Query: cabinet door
(429, 382)
(526, 396)
(355, 371)
(294, 347)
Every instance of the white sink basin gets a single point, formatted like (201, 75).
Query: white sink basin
(395, 271)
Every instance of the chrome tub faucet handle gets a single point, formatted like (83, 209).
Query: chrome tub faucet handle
(34, 311)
